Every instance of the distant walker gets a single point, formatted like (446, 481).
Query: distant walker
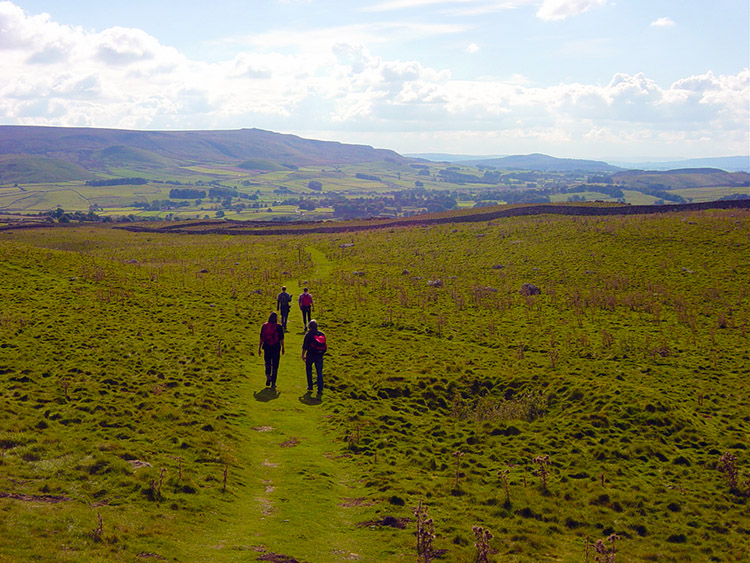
(283, 304)
(306, 306)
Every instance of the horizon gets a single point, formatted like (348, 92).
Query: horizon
(415, 76)
(455, 157)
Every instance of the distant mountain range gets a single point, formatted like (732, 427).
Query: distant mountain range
(543, 162)
(30, 154)
(56, 153)
(728, 163)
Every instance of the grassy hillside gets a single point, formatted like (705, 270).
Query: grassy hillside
(136, 423)
(682, 179)
(185, 147)
(22, 169)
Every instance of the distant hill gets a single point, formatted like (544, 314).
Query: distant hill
(447, 157)
(728, 163)
(97, 151)
(681, 179)
(544, 163)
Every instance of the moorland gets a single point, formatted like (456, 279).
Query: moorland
(575, 386)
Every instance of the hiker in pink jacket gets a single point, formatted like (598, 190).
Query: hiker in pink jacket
(305, 305)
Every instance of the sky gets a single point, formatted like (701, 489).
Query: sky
(601, 79)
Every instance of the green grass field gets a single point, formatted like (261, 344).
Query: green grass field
(136, 423)
(265, 183)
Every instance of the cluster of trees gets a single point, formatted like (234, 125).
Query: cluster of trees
(368, 177)
(432, 200)
(393, 204)
(61, 216)
(612, 191)
(186, 193)
(117, 182)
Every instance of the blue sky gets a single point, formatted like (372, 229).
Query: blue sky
(571, 78)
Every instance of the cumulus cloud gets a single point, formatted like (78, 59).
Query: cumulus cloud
(472, 48)
(663, 22)
(561, 9)
(339, 89)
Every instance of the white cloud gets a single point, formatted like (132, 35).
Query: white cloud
(472, 48)
(330, 85)
(663, 22)
(561, 9)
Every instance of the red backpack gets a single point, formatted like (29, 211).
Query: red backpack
(305, 300)
(270, 334)
(318, 343)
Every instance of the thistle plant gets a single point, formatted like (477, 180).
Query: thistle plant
(503, 474)
(98, 532)
(458, 455)
(542, 469)
(482, 543)
(602, 552)
(425, 535)
(156, 486)
(728, 466)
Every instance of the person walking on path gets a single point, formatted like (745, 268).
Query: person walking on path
(306, 305)
(272, 344)
(313, 348)
(283, 304)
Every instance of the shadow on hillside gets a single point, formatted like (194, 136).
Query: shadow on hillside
(267, 394)
(310, 399)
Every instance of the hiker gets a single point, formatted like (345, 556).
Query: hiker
(272, 344)
(313, 348)
(306, 305)
(283, 304)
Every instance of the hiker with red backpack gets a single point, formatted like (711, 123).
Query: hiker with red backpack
(272, 344)
(306, 305)
(314, 346)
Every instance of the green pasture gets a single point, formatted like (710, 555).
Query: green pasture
(698, 195)
(136, 424)
(341, 180)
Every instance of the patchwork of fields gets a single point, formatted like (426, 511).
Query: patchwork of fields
(136, 423)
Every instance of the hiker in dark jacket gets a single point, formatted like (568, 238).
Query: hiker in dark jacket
(283, 304)
(313, 348)
(272, 344)
(305, 304)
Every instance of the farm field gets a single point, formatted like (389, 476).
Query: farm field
(283, 193)
(136, 424)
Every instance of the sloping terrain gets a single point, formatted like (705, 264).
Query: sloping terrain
(98, 149)
(22, 169)
(600, 405)
(681, 179)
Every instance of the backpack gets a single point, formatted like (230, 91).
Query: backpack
(270, 334)
(318, 343)
(305, 300)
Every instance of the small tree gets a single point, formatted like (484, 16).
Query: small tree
(315, 185)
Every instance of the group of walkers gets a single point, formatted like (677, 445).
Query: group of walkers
(272, 340)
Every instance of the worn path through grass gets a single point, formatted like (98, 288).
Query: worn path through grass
(290, 493)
